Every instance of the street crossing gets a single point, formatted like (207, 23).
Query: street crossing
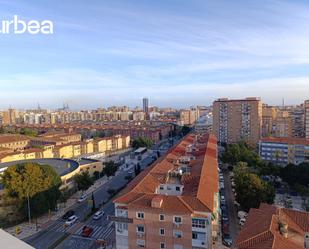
(99, 232)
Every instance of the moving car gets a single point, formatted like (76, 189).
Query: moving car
(87, 231)
(68, 214)
(98, 215)
(82, 198)
(71, 220)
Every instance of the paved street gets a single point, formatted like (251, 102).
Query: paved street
(232, 211)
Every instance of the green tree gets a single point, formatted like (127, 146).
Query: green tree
(251, 190)
(142, 142)
(38, 182)
(110, 168)
(83, 181)
(28, 132)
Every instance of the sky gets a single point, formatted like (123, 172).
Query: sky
(177, 53)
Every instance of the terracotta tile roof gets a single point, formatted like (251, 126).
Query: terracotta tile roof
(12, 138)
(200, 185)
(286, 140)
(262, 228)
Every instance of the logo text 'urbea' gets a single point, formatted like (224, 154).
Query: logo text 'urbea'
(33, 27)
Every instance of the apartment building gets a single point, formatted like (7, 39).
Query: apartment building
(14, 142)
(174, 203)
(271, 227)
(269, 117)
(189, 117)
(282, 151)
(306, 105)
(236, 120)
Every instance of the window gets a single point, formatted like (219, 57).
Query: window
(161, 187)
(177, 234)
(162, 245)
(177, 219)
(162, 231)
(161, 217)
(199, 223)
(177, 188)
(140, 215)
(140, 229)
(194, 235)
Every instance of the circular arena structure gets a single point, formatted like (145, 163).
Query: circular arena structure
(65, 168)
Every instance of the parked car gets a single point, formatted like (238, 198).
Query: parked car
(98, 215)
(71, 220)
(227, 240)
(87, 231)
(82, 198)
(68, 214)
(242, 214)
(242, 221)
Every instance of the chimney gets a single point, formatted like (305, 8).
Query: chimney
(157, 202)
(283, 227)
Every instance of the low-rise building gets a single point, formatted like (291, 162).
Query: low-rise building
(173, 203)
(270, 227)
(282, 151)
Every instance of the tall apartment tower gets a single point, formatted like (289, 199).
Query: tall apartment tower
(307, 118)
(237, 120)
(145, 105)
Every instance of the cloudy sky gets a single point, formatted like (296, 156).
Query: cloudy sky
(176, 52)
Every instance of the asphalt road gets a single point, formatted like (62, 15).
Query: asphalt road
(232, 211)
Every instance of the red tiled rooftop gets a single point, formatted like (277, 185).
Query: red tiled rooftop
(199, 187)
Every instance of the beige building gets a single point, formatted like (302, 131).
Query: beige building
(173, 204)
(269, 116)
(237, 120)
(307, 118)
(14, 142)
(189, 117)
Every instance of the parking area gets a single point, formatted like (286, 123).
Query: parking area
(229, 209)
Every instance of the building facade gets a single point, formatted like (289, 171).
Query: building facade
(145, 105)
(237, 120)
(174, 203)
(282, 151)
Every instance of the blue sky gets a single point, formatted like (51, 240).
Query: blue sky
(176, 52)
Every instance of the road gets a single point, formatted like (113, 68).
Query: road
(57, 232)
(232, 211)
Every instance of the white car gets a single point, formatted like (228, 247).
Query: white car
(242, 214)
(82, 198)
(242, 221)
(98, 215)
(71, 220)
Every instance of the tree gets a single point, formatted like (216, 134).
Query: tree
(251, 190)
(83, 181)
(142, 142)
(293, 174)
(110, 168)
(96, 174)
(30, 181)
(28, 132)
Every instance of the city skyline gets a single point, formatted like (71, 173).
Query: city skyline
(115, 53)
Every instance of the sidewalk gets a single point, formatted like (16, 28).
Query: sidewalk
(44, 221)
